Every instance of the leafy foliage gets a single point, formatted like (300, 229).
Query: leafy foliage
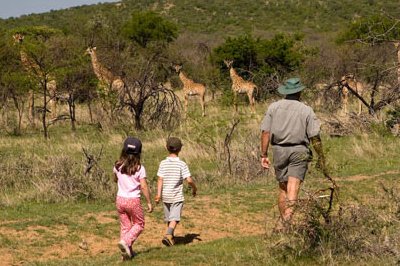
(372, 29)
(268, 56)
(147, 27)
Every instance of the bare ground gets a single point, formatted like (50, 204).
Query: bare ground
(204, 219)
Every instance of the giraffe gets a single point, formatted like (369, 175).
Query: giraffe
(357, 86)
(240, 86)
(108, 81)
(33, 69)
(397, 46)
(191, 88)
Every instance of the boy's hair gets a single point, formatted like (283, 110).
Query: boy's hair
(174, 145)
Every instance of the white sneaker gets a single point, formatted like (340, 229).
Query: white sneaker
(125, 250)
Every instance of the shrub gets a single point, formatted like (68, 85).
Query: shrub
(352, 231)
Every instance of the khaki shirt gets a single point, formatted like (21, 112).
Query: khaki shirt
(290, 122)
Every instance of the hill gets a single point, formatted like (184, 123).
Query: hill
(220, 18)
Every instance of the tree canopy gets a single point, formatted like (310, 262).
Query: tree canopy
(146, 27)
(373, 29)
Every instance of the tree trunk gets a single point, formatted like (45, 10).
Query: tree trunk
(20, 111)
(137, 112)
(71, 106)
(90, 110)
(44, 112)
(138, 122)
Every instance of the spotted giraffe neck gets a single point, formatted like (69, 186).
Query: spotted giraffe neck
(100, 71)
(397, 45)
(185, 80)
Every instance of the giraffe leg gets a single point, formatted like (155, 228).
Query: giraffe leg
(202, 102)
(31, 106)
(345, 98)
(235, 101)
(53, 108)
(186, 104)
(251, 100)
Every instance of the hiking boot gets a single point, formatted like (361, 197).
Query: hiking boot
(168, 240)
(125, 250)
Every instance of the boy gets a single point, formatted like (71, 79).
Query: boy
(171, 173)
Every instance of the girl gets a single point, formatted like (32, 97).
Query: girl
(131, 178)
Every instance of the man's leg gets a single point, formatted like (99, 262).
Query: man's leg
(282, 198)
(293, 188)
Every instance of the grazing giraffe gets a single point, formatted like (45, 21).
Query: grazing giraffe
(191, 88)
(357, 86)
(108, 81)
(241, 86)
(33, 69)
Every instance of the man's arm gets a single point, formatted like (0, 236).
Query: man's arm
(265, 135)
(159, 189)
(193, 185)
(317, 145)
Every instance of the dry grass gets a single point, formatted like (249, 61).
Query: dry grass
(352, 232)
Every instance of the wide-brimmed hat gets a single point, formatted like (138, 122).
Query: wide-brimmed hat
(291, 86)
(174, 144)
(132, 145)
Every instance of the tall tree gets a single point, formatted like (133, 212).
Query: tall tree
(37, 46)
(148, 27)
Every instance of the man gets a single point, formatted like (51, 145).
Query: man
(290, 126)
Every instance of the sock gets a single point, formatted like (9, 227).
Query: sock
(170, 231)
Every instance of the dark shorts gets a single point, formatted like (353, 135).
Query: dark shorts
(290, 161)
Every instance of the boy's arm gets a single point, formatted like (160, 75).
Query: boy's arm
(146, 193)
(159, 189)
(193, 185)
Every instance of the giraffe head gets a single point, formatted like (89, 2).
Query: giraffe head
(18, 38)
(228, 63)
(177, 68)
(346, 78)
(90, 50)
(397, 45)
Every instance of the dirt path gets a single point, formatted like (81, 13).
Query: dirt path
(204, 219)
(365, 177)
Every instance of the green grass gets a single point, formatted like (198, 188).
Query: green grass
(235, 201)
(27, 205)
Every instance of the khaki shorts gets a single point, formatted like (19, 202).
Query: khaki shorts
(291, 161)
(173, 211)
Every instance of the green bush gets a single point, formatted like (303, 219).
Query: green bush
(147, 27)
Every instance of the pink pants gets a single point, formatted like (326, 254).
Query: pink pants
(131, 218)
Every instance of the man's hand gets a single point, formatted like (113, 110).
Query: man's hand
(265, 162)
(157, 199)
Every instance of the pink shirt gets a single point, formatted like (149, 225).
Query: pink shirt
(129, 185)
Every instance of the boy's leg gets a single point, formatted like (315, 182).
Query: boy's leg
(172, 215)
(171, 227)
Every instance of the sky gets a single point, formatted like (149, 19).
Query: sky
(16, 8)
